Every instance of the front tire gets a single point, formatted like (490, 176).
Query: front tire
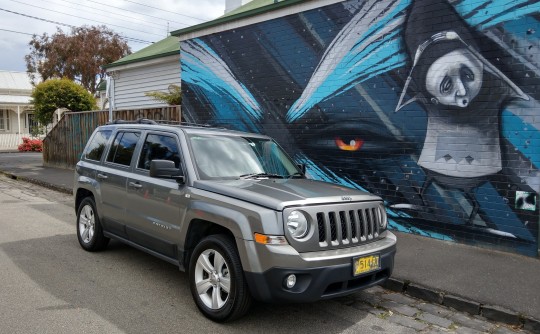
(217, 280)
(89, 230)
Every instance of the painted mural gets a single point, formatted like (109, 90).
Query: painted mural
(432, 105)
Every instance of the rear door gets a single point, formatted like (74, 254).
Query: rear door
(112, 177)
(156, 206)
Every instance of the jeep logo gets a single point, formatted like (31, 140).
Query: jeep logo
(346, 198)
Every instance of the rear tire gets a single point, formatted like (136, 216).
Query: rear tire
(89, 230)
(217, 281)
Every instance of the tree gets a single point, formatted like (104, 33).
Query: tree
(173, 97)
(54, 94)
(77, 56)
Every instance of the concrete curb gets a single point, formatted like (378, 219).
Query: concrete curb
(494, 313)
(38, 182)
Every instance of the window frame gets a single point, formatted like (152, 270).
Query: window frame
(136, 149)
(105, 150)
(158, 133)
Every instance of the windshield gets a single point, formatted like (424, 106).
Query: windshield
(231, 157)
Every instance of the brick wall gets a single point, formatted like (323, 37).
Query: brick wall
(450, 141)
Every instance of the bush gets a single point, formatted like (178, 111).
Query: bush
(60, 93)
(31, 145)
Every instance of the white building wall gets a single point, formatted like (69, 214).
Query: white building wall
(132, 82)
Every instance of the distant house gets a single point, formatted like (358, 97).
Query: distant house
(153, 68)
(16, 110)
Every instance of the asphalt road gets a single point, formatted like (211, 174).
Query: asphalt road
(50, 285)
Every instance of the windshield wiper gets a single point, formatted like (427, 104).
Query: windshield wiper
(256, 175)
(297, 174)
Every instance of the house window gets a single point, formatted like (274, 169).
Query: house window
(4, 120)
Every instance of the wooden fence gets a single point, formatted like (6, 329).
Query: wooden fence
(63, 145)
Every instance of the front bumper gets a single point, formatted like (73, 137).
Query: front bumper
(318, 282)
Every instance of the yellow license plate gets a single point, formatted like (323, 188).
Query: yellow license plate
(362, 265)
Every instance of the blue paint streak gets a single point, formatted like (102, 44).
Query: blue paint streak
(326, 175)
(223, 102)
(496, 11)
(393, 225)
(199, 74)
(355, 67)
(525, 137)
(500, 214)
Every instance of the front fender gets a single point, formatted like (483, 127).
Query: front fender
(241, 221)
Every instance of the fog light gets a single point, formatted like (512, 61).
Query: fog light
(291, 281)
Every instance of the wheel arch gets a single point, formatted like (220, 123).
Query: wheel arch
(199, 229)
(81, 194)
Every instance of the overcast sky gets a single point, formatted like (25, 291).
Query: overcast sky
(140, 20)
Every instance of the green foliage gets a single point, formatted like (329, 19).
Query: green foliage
(79, 55)
(37, 130)
(173, 97)
(60, 93)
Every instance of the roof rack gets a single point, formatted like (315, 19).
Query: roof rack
(137, 121)
(161, 122)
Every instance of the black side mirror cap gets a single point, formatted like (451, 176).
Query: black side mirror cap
(302, 168)
(165, 169)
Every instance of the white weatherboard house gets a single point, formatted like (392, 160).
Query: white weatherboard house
(16, 110)
(153, 68)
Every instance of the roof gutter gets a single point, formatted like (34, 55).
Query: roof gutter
(275, 10)
(137, 60)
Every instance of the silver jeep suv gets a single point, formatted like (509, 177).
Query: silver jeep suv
(233, 210)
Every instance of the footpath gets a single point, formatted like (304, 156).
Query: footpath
(499, 286)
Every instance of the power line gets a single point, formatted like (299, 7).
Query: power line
(132, 11)
(79, 17)
(17, 32)
(69, 25)
(164, 10)
(100, 12)
(38, 18)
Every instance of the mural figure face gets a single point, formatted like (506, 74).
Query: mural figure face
(455, 78)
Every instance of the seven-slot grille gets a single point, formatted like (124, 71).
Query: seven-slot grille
(348, 226)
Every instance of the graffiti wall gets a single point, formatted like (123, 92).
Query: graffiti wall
(432, 105)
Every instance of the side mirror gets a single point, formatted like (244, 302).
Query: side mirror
(165, 169)
(302, 168)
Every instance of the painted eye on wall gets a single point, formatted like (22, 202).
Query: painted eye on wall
(466, 74)
(446, 85)
(352, 145)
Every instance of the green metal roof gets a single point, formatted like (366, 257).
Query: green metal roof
(166, 47)
(252, 8)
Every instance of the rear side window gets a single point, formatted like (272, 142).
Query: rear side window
(159, 147)
(122, 148)
(96, 146)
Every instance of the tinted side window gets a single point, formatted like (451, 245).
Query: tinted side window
(122, 148)
(159, 147)
(97, 145)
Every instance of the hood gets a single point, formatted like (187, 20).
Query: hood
(278, 194)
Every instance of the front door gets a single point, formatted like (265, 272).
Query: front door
(32, 124)
(156, 206)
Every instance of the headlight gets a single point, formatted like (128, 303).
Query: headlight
(297, 224)
(383, 222)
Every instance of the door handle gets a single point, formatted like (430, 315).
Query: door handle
(135, 185)
(102, 176)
